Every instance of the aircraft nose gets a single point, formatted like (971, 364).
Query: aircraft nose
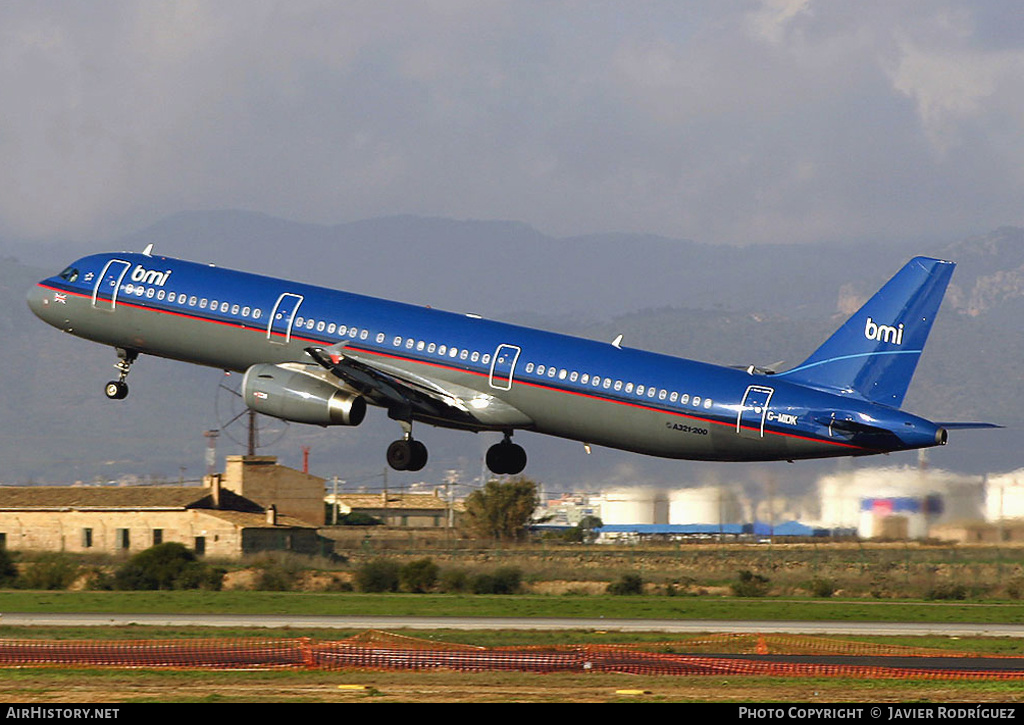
(41, 302)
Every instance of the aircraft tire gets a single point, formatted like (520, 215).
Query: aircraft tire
(400, 455)
(116, 390)
(419, 456)
(506, 458)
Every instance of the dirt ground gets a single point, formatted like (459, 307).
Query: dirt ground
(118, 686)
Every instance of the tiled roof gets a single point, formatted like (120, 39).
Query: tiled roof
(120, 497)
(117, 497)
(398, 501)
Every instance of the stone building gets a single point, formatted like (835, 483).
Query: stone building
(215, 519)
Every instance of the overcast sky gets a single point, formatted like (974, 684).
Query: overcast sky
(726, 121)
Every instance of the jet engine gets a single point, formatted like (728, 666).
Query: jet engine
(296, 396)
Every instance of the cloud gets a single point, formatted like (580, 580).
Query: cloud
(783, 120)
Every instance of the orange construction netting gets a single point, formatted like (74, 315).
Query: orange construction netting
(720, 654)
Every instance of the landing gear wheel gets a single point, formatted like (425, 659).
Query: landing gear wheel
(506, 458)
(117, 390)
(407, 455)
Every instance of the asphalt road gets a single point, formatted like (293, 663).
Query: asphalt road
(692, 626)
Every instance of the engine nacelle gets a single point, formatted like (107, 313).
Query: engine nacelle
(295, 396)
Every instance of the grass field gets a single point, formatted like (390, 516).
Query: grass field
(518, 606)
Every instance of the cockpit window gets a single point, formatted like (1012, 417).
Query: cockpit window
(69, 275)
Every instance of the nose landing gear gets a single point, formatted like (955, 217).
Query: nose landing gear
(118, 389)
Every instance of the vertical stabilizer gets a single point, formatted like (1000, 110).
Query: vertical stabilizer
(875, 353)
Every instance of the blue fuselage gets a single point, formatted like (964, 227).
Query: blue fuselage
(595, 392)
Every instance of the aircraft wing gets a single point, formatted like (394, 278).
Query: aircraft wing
(406, 394)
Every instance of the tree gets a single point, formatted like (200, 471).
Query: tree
(501, 510)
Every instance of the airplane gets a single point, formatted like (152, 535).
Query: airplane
(321, 356)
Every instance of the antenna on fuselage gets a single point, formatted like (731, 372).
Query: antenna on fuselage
(148, 251)
(617, 342)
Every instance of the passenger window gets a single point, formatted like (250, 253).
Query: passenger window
(364, 334)
(662, 394)
(707, 403)
(585, 378)
(574, 376)
(696, 401)
(463, 354)
(453, 352)
(380, 337)
(431, 348)
(540, 369)
(639, 389)
(475, 356)
(629, 387)
(234, 309)
(685, 399)
(486, 359)
(618, 385)
(397, 342)
(529, 367)
(202, 304)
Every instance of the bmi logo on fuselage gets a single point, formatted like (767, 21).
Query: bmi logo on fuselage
(884, 333)
(149, 276)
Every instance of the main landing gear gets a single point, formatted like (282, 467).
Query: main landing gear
(506, 458)
(118, 389)
(407, 454)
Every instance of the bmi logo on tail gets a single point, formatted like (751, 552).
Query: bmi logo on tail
(884, 333)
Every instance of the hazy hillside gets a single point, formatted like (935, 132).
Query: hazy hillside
(723, 304)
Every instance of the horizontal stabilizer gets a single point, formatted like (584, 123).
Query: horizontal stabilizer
(967, 426)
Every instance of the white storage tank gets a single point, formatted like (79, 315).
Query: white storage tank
(703, 505)
(634, 506)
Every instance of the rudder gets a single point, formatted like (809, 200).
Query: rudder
(875, 353)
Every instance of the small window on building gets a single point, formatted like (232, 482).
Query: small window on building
(86, 538)
(200, 545)
(123, 539)
(158, 536)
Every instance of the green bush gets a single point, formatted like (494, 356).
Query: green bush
(822, 587)
(166, 566)
(379, 575)
(454, 581)
(8, 571)
(418, 576)
(750, 585)
(50, 571)
(627, 584)
(505, 580)
(947, 590)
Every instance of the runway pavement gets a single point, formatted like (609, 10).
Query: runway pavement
(691, 626)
